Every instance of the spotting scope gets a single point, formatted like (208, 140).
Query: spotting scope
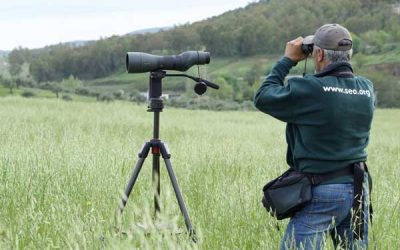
(138, 62)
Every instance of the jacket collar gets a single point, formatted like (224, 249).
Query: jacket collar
(341, 69)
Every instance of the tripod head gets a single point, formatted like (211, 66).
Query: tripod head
(155, 87)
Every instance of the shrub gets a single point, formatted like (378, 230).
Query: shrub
(82, 91)
(28, 93)
(94, 93)
(67, 98)
(135, 96)
(119, 94)
(208, 103)
(247, 105)
(106, 97)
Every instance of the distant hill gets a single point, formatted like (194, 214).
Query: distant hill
(149, 30)
(78, 43)
(4, 53)
(81, 43)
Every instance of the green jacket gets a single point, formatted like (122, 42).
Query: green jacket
(328, 116)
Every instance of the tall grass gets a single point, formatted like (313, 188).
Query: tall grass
(65, 165)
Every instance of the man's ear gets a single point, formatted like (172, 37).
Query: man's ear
(320, 55)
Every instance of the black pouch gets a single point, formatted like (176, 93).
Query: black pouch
(287, 194)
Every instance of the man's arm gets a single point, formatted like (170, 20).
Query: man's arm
(273, 97)
(285, 102)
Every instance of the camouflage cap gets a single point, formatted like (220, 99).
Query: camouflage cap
(331, 37)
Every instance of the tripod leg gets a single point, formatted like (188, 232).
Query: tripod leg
(167, 156)
(156, 180)
(142, 156)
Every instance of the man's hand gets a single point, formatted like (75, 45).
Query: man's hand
(293, 50)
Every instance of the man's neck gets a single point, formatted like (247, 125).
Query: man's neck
(321, 66)
(340, 69)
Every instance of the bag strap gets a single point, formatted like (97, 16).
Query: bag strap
(359, 199)
(318, 178)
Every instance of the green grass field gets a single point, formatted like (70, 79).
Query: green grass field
(40, 93)
(65, 164)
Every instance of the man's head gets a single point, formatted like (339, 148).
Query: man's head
(332, 43)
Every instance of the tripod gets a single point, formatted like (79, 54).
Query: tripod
(158, 148)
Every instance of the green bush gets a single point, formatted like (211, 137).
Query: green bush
(119, 94)
(94, 93)
(107, 97)
(208, 103)
(135, 96)
(386, 86)
(82, 91)
(67, 98)
(28, 93)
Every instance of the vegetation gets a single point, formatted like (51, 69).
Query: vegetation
(244, 44)
(249, 31)
(62, 173)
(28, 93)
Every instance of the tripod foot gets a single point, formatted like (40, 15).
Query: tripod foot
(193, 236)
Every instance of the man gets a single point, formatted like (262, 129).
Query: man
(328, 118)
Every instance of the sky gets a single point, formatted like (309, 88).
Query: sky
(37, 23)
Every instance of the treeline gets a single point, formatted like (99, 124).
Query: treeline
(259, 28)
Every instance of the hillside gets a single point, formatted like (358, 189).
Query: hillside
(3, 66)
(243, 43)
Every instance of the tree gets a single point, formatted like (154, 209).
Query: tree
(71, 82)
(16, 59)
(225, 90)
(178, 39)
(253, 74)
(56, 89)
(9, 83)
(51, 86)
(386, 86)
(209, 37)
(41, 69)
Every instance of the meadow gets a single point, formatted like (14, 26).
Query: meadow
(64, 165)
